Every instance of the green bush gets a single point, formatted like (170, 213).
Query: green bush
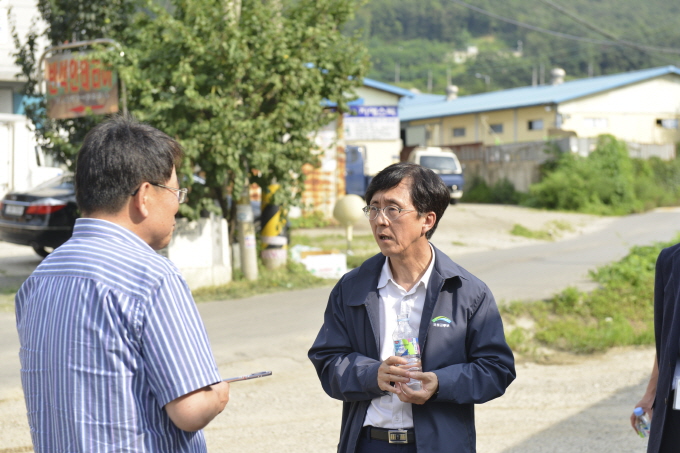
(503, 192)
(607, 182)
(618, 313)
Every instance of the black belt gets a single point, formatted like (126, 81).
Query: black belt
(393, 436)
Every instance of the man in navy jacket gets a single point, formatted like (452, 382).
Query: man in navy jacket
(659, 396)
(465, 358)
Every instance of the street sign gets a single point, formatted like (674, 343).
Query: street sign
(77, 85)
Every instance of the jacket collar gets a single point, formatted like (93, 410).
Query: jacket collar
(364, 289)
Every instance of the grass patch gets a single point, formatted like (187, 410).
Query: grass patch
(619, 313)
(293, 276)
(553, 230)
(363, 246)
(315, 219)
(520, 230)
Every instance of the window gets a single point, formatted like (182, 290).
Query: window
(598, 123)
(535, 125)
(668, 123)
(496, 128)
(459, 132)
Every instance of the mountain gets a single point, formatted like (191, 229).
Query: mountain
(496, 44)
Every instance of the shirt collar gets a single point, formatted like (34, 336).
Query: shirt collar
(386, 273)
(89, 227)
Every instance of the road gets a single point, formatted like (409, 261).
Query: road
(579, 406)
(537, 271)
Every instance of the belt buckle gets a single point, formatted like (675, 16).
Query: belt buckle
(397, 436)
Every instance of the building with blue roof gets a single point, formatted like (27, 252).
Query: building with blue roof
(639, 107)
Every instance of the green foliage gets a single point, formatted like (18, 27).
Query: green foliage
(315, 219)
(389, 27)
(607, 182)
(618, 313)
(520, 230)
(553, 230)
(242, 88)
(67, 21)
(243, 92)
(502, 192)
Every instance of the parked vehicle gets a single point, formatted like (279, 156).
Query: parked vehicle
(440, 160)
(42, 217)
(445, 163)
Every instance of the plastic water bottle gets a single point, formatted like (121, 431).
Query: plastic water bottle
(406, 345)
(642, 423)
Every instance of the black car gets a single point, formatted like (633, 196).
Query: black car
(42, 217)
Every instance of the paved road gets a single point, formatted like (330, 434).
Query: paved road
(289, 411)
(538, 271)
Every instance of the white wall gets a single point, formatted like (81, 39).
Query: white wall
(372, 96)
(629, 113)
(19, 169)
(379, 154)
(24, 12)
(200, 250)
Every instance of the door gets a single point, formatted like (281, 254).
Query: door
(355, 180)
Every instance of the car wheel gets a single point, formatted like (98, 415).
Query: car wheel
(454, 201)
(40, 250)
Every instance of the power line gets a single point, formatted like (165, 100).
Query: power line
(615, 41)
(606, 34)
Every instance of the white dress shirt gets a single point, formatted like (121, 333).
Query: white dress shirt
(389, 411)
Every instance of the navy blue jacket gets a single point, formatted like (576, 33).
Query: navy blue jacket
(667, 333)
(469, 355)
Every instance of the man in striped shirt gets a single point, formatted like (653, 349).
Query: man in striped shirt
(114, 356)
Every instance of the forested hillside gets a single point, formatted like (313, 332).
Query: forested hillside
(412, 42)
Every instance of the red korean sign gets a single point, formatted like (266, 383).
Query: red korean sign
(77, 86)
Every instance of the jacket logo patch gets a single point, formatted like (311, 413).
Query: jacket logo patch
(441, 321)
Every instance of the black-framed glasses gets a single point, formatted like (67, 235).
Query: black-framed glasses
(391, 212)
(181, 193)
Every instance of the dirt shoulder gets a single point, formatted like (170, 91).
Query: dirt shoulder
(472, 227)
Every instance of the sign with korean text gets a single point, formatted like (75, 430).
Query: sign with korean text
(77, 86)
(366, 122)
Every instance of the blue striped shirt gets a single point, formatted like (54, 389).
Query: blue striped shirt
(109, 334)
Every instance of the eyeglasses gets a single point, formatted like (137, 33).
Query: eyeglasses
(391, 212)
(181, 193)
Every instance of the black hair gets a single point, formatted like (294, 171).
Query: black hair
(116, 157)
(428, 191)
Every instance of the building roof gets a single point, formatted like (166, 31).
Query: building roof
(435, 106)
(388, 88)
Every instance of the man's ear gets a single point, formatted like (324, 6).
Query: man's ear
(428, 224)
(139, 205)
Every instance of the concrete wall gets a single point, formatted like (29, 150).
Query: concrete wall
(519, 162)
(200, 249)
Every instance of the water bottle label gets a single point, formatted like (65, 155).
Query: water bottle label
(406, 346)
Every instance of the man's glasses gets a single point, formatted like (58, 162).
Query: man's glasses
(391, 212)
(181, 193)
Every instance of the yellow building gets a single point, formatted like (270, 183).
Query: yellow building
(639, 107)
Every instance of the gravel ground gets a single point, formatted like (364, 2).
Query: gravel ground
(577, 404)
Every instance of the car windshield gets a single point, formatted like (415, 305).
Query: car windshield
(64, 181)
(443, 164)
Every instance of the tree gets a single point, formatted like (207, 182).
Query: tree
(241, 86)
(67, 21)
(243, 89)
